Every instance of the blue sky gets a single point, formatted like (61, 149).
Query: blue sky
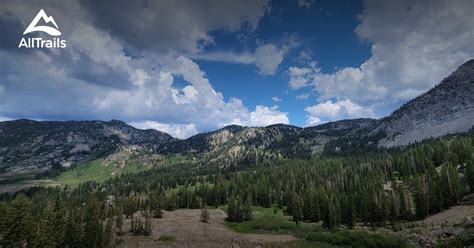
(187, 66)
(324, 30)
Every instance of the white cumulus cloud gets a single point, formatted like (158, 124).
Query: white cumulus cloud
(277, 99)
(266, 57)
(302, 97)
(302, 76)
(414, 45)
(180, 131)
(338, 110)
(264, 116)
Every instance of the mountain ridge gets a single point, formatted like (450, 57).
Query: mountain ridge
(44, 144)
(445, 109)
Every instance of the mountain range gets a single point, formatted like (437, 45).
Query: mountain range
(447, 108)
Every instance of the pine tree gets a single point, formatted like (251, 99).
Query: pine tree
(434, 197)
(204, 215)
(107, 238)
(239, 210)
(119, 221)
(93, 225)
(350, 213)
(420, 201)
(18, 224)
(132, 225)
(232, 211)
(129, 207)
(247, 211)
(330, 213)
(308, 205)
(470, 173)
(74, 231)
(45, 234)
(405, 210)
(148, 228)
(297, 211)
(59, 222)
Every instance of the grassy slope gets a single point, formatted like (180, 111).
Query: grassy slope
(93, 170)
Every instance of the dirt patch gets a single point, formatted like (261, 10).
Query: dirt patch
(454, 215)
(441, 226)
(188, 231)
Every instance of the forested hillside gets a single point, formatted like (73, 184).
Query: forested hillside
(386, 189)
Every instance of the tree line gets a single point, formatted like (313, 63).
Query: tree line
(375, 189)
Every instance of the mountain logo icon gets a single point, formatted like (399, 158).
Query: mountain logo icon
(47, 29)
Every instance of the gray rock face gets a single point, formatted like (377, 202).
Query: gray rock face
(26, 144)
(447, 108)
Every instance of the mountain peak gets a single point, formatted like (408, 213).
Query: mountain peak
(463, 74)
(117, 123)
(231, 128)
(446, 108)
(469, 64)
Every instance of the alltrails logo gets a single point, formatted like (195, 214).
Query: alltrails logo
(40, 42)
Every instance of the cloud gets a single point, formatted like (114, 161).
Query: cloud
(338, 110)
(246, 58)
(196, 103)
(313, 121)
(180, 131)
(415, 44)
(302, 97)
(48, 92)
(3, 118)
(266, 58)
(264, 116)
(183, 25)
(100, 76)
(305, 3)
(301, 77)
(9, 26)
(277, 99)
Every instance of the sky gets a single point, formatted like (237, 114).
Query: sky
(187, 66)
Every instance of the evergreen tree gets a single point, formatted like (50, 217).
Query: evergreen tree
(74, 231)
(45, 235)
(204, 215)
(119, 221)
(330, 213)
(297, 211)
(420, 200)
(93, 225)
(18, 223)
(232, 210)
(58, 222)
(147, 228)
(247, 211)
(470, 173)
(350, 213)
(107, 238)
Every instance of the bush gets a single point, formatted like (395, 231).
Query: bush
(166, 238)
(204, 215)
(356, 239)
